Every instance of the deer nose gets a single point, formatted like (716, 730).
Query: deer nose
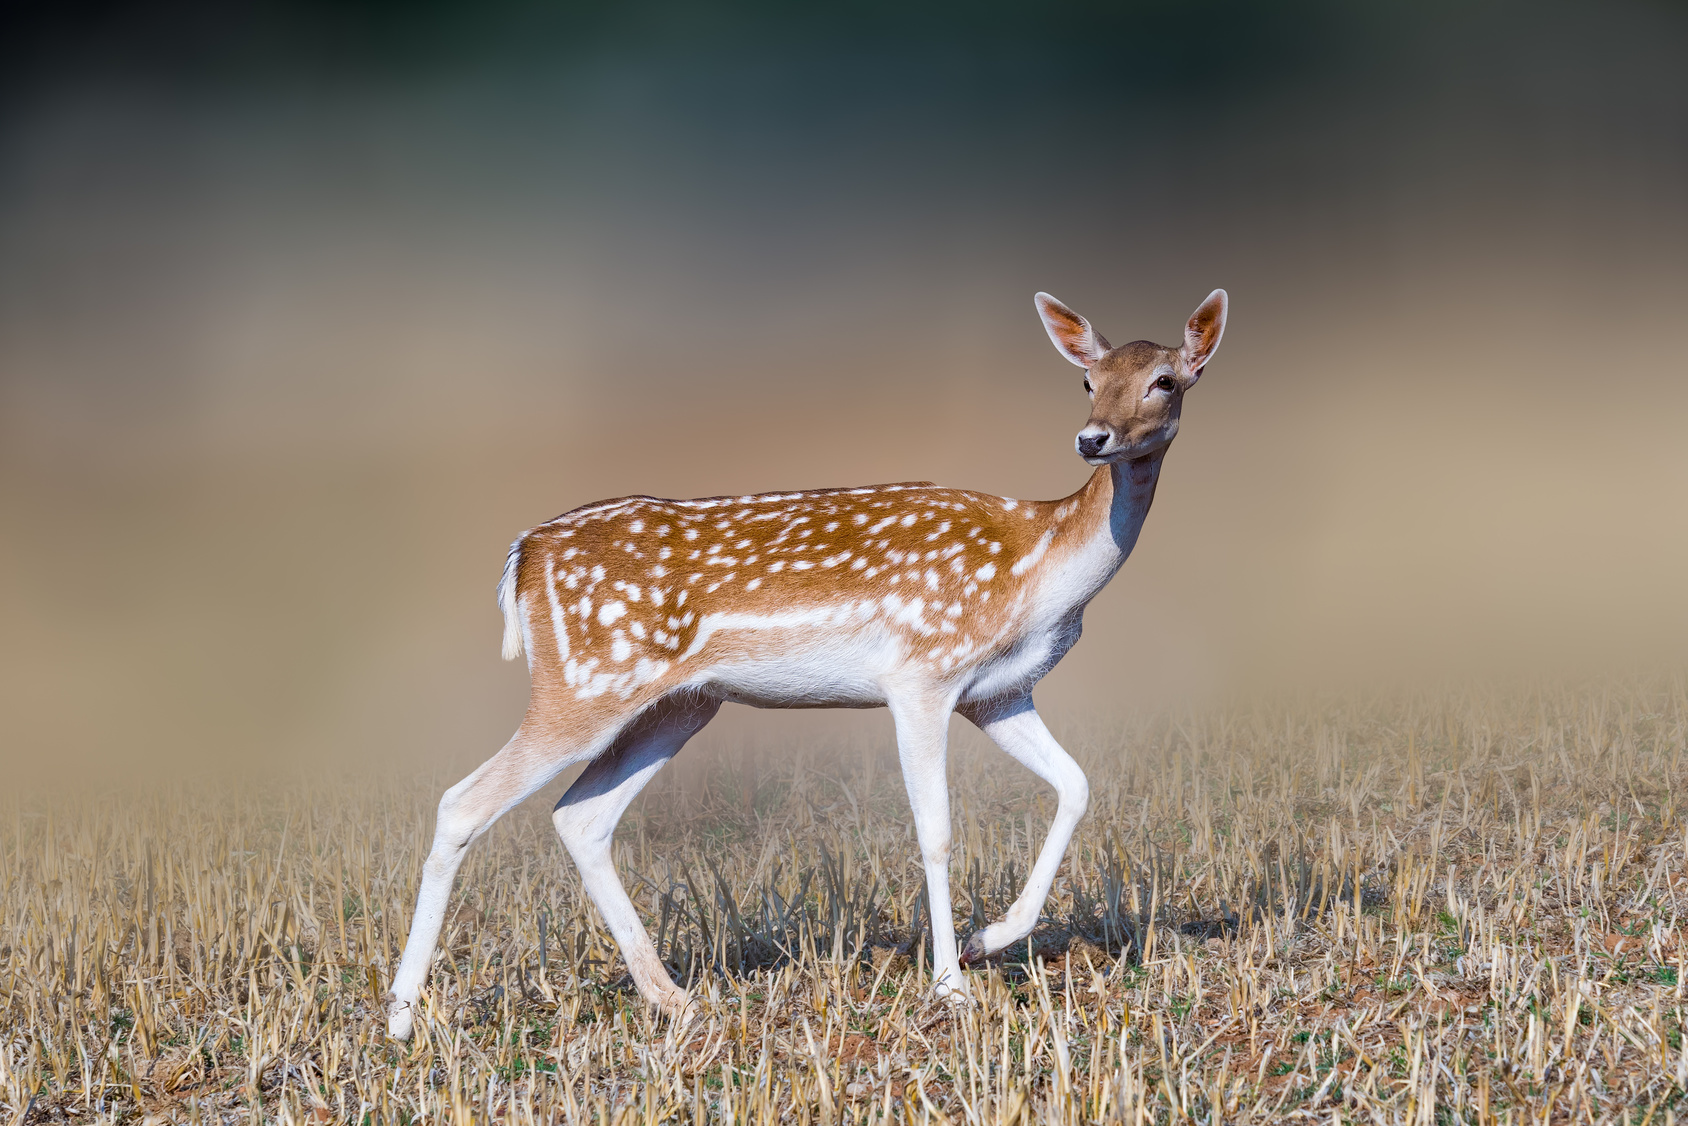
(1091, 442)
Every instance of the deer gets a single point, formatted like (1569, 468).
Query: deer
(639, 617)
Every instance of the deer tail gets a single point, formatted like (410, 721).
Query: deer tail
(508, 602)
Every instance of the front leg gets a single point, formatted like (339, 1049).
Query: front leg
(1018, 729)
(922, 747)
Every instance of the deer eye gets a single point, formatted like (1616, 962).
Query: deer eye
(1166, 383)
(1087, 383)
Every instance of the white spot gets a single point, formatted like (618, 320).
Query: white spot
(610, 612)
(620, 649)
(908, 521)
(558, 626)
(1030, 558)
(753, 584)
(986, 573)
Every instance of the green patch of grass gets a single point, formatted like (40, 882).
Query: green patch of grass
(1393, 987)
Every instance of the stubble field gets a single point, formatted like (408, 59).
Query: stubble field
(1458, 908)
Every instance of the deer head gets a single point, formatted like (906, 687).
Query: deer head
(1136, 390)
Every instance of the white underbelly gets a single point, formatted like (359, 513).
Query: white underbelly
(842, 676)
(1016, 671)
(851, 670)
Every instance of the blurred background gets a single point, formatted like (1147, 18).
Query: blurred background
(307, 308)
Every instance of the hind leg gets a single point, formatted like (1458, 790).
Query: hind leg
(586, 818)
(467, 810)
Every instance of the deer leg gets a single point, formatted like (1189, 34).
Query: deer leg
(1019, 730)
(922, 747)
(586, 818)
(466, 811)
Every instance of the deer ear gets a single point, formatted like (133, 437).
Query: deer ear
(1072, 334)
(1201, 335)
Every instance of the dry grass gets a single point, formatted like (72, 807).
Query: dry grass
(1459, 910)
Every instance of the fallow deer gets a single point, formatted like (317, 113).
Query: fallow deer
(641, 616)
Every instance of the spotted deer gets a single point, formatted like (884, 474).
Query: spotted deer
(640, 617)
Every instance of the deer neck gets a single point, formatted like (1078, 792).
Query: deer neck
(1106, 518)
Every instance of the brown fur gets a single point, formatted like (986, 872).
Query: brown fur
(766, 555)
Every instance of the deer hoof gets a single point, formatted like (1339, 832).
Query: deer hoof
(954, 992)
(973, 950)
(673, 1003)
(400, 1018)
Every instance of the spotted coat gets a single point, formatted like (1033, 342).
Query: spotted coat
(803, 599)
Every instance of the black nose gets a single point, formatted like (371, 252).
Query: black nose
(1090, 445)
